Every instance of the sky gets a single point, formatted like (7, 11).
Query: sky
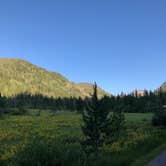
(120, 44)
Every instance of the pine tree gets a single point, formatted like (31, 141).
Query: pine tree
(95, 120)
(79, 104)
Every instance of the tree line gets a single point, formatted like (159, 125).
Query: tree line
(150, 102)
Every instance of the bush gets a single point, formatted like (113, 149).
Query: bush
(116, 128)
(19, 111)
(159, 118)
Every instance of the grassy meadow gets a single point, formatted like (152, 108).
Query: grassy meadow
(57, 136)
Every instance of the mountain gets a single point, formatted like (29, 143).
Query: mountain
(163, 87)
(88, 89)
(18, 76)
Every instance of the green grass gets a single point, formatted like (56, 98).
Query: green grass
(145, 159)
(138, 117)
(65, 128)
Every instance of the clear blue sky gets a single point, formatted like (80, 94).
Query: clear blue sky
(120, 44)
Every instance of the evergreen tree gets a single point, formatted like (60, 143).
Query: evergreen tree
(95, 120)
(2, 104)
(79, 104)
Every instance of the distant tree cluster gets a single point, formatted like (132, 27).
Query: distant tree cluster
(150, 102)
(39, 101)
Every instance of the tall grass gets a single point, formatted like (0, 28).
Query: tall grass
(42, 152)
(39, 152)
(48, 140)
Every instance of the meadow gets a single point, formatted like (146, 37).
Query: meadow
(57, 137)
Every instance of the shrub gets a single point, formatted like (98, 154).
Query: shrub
(38, 113)
(116, 127)
(159, 118)
(19, 111)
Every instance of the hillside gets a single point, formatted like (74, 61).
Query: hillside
(88, 89)
(163, 87)
(18, 76)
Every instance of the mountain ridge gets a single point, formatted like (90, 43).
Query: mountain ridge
(19, 76)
